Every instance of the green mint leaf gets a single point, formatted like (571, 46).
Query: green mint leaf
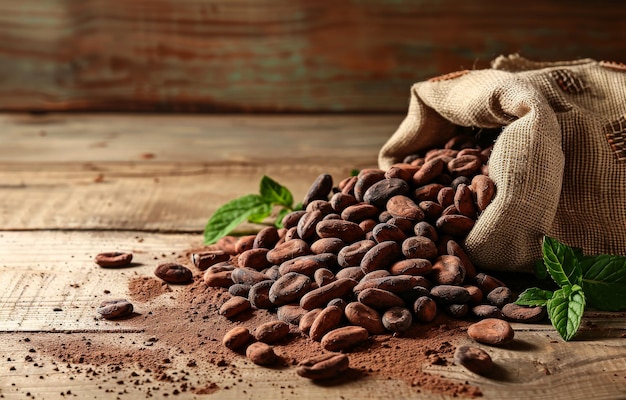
(275, 193)
(534, 297)
(280, 216)
(561, 262)
(231, 214)
(541, 271)
(299, 206)
(354, 172)
(565, 310)
(604, 281)
(261, 213)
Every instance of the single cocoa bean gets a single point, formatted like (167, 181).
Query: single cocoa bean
(396, 172)
(234, 306)
(306, 321)
(328, 319)
(457, 310)
(115, 308)
(259, 295)
(445, 197)
(323, 366)
(340, 201)
(516, 313)
(308, 222)
(355, 273)
(476, 295)
(393, 283)
(239, 289)
(319, 190)
(113, 259)
(359, 212)
(364, 316)
(425, 309)
(323, 276)
(352, 254)
(344, 338)
(464, 201)
(289, 288)
(381, 256)
(491, 331)
(244, 243)
(483, 311)
(379, 193)
(466, 165)
(403, 207)
(322, 206)
(290, 313)
(217, 279)
(383, 232)
(487, 283)
(307, 265)
(206, 259)
(322, 295)
(432, 210)
(327, 245)
(288, 250)
(449, 294)
(237, 338)
(411, 266)
(474, 359)
(427, 192)
(428, 171)
(454, 249)
(347, 231)
(261, 354)
(254, 259)
(266, 238)
(291, 220)
(271, 332)
(380, 299)
(247, 276)
(227, 244)
(425, 229)
(397, 319)
(499, 296)
(455, 224)
(484, 189)
(460, 141)
(419, 247)
(448, 270)
(365, 180)
(174, 273)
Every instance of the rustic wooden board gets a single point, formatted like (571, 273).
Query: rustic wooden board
(57, 213)
(304, 55)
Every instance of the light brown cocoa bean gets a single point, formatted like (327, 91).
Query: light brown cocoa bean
(323, 276)
(450, 210)
(174, 273)
(454, 249)
(271, 332)
(464, 201)
(327, 245)
(288, 250)
(380, 299)
(113, 259)
(359, 212)
(289, 288)
(466, 165)
(484, 190)
(323, 366)
(322, 206)
(434, 153)
(217, 279)
(347, 231)
(425, 309)
(247, 276)
(445, 197)
(393, 283)
(328, 319)
(344, 338)
(428, 171)
(355, 273)
(425, 229)
(381, 256)
(427, 192)
(381, 273)
(403, 207)
(367, 225)
(419, 247)
(364, 316)
(404, 224)
(383, 232)
(322, 295)
(447, 270)
(254, 259)
(411, 266)
(307, 265)
(476, 295)
(352, 254)
(261, 354)
(237, 338)
(397, 172)
(455, 224)
(432, 210)
(234, 306)
(319, 190)
(290, 313)
(397, 319)
(348, 187)
(491, 331)
(306, 321)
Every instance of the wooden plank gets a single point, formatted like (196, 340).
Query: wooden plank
(305, 55)
(171, 173)
(55, 269)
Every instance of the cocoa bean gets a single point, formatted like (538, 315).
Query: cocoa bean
(427, 192)
(290, 313)
(113, 259)
(491, 331)
(234, 306)
(359, 212)
(259, 295)
(464, 201)
(308, 222)
(237, 338)
(425, 229)
(447, 270)
(244, 243)
(261, 354)
(394, 283)
(383, 232)
(289, 288)
(340, 201)
(484, 189)
(323, 366)
(466, 165)
(288, 250)
(307, 265)
(474, 359)
(204, 260)
(397, 319)
(327, 245)
(217, 279)
(419, 247)
(174, 273)
(455, 224)
(322, 295)
(352, 254)
(380, 299)
(380, 192)
(323, 276)
(516, 313)
(381, 256)
(499, 296)
(247, 276)
(347, 231)
(454, 249)
(115, 308)
(457, 310)
(319, 190)
(306, 321)
(266, 238)
(483, 311)
(411, 266)
(254, 259)
(239, 289)
(365, 180)
(345, 338)
(271, 332)
(403, 207)
(322, 206)
(355, 273)
(425, 309)
(486, 283)
(364, 316)
(432, 210)
(428, 171)
(328, 319)
(449, 294)
(445, 197)
(291, 220)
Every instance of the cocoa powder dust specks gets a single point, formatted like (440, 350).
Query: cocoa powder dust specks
(175, 346)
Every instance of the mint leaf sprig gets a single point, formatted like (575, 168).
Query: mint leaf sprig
(599, 280)
(253, 208)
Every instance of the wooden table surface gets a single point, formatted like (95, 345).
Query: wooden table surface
(73, 185)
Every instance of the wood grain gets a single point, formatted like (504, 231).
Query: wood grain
(304, 55)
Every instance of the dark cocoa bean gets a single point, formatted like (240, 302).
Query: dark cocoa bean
(291, 220)
(174, 273)
(364, 316)
(307, 265)
(381, 256)
(455, 225)
(387, 232)
(113, 259)
(499, 296)
(319, 190)
(419, 247)
(308, 222)
(327, 245)
(449, 294)
(322, 295)
(347, 231)
(483, 311)
(259, 295)
(290, 313)
(244, 243)
(464, 201)
(266, 238)
(323, 366)
(289, 288)
(397, 319)
(344, 338)
(247, 276)
(352, 254)
(425, 229)
(380, 192)
(204, 260)
(323, 276)
(340, 201)
(425, 309)
(380, 299)
(365, 180)
(411, 266)
(516, 313)
(474, 359)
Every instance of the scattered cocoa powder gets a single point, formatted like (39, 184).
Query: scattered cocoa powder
(146, 288)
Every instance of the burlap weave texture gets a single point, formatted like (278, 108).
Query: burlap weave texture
(559, 163)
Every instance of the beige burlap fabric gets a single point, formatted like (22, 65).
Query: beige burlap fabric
(559, 164)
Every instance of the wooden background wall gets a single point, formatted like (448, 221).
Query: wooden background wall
(275, 55)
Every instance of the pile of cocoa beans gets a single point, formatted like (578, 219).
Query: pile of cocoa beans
(373, 255)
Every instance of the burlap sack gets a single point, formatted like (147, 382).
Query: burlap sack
(559, 164)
